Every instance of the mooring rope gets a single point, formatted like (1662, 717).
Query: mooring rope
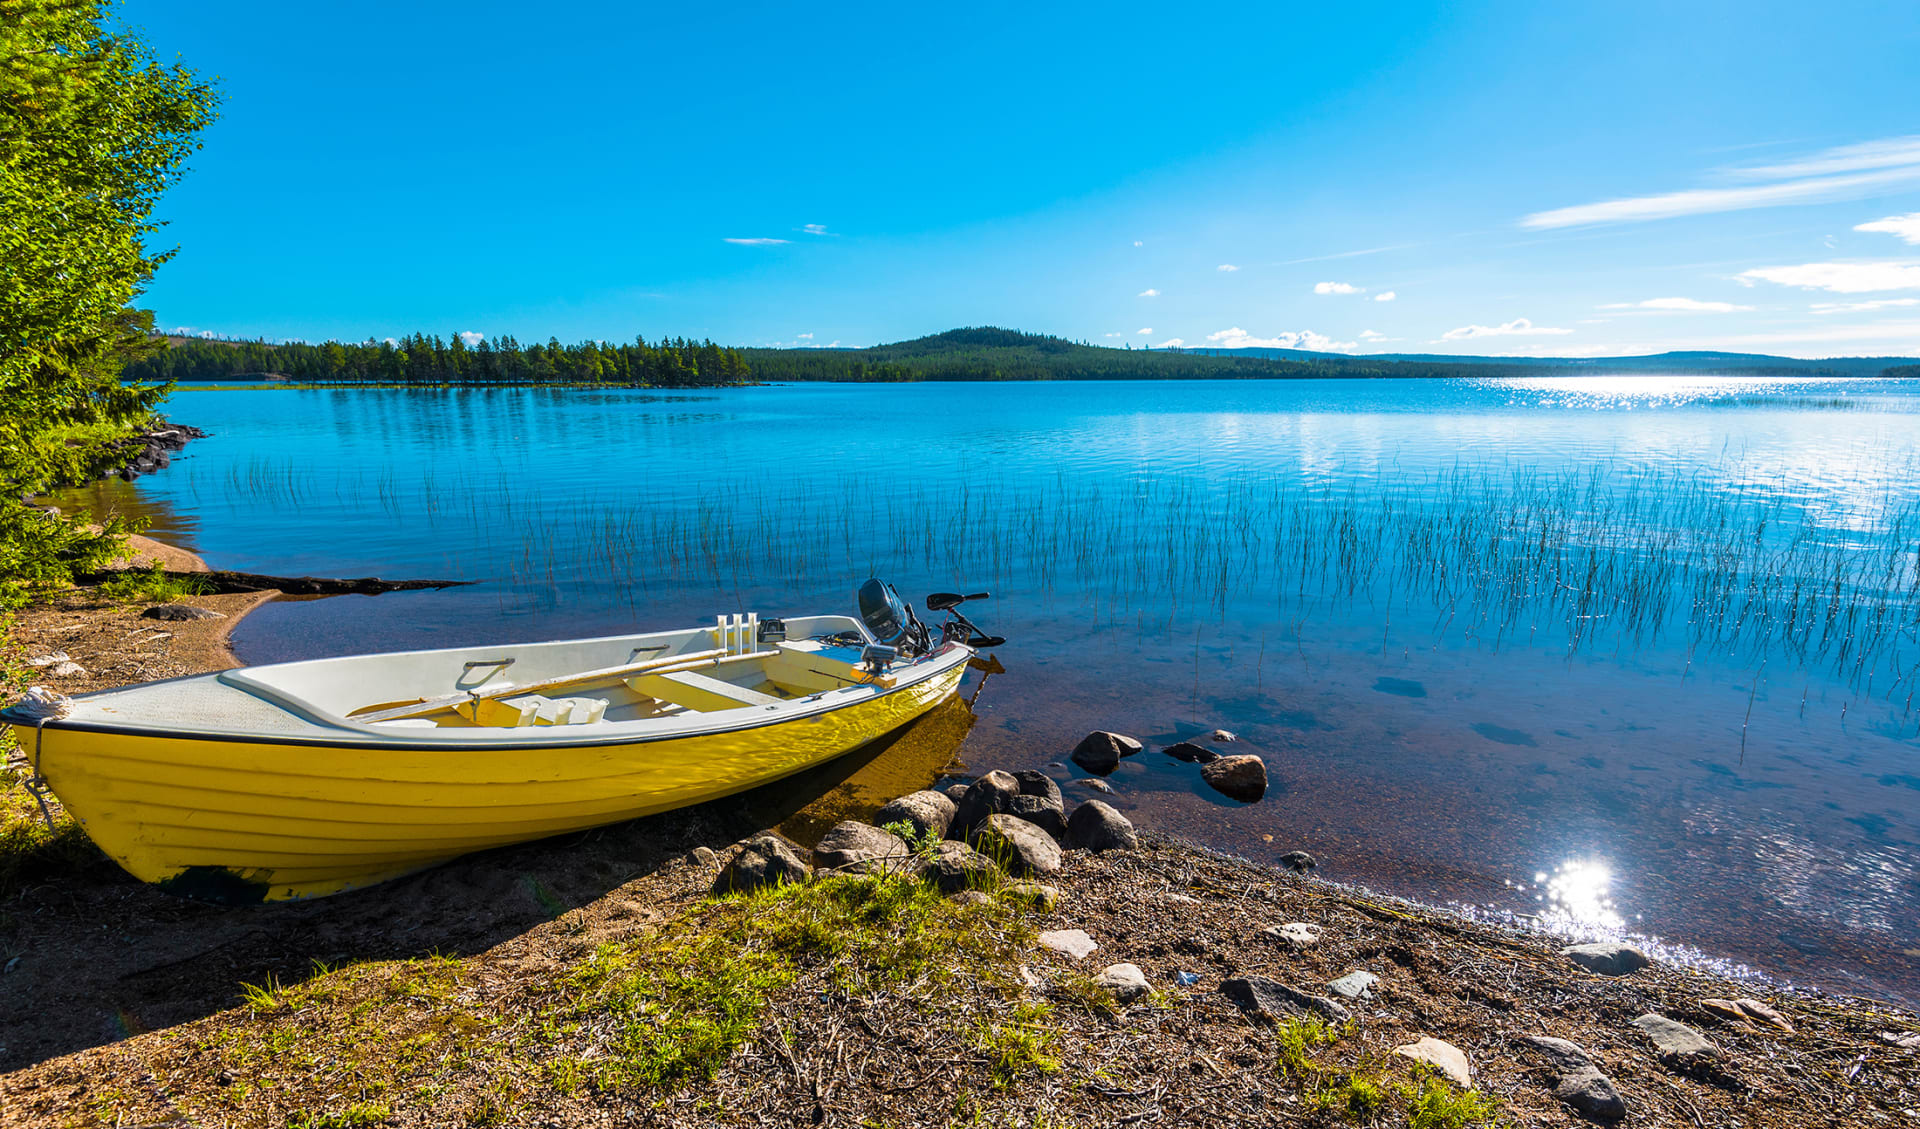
(42, 705)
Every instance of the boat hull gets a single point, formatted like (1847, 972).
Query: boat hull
(237, 819)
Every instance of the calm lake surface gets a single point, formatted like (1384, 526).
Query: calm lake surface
(1629, 655)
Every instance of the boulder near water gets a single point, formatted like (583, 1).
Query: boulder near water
(1242, 778)
(1607, 958)
(930, 813)
(991, 794)
(766, 860)
(1095, 826)
(856, 848)
(1017, 845)
(954, 867)
(1100, 751)
(1191, 753)
(1048, 817)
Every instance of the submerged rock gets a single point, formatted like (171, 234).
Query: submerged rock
(1242, 778)
(1191, 753)
(1608, 958)
(1273, 1001)
(1222, 735)
(1442, 1056)
(1097, 827)
(1017, 845)
(1100, 751)
(859, 848)
(1578, 1081)
(765, 861)
(1096, 784)
(1298, 861)
(930, 813)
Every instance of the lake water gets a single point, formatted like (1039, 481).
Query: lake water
(1620, 654)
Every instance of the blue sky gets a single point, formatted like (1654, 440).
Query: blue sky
(1462, 178)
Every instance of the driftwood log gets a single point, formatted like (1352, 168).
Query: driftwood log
(222, 581)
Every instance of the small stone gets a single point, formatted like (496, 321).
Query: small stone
(1097, 827)
(930, 813)
(702, 856)
(1095, 784)
(1442, 1056)
(1242, 778)
(1578, 1080)
(66, 670)
(955, 867)
(764, 861)
(970, 898)
(1678, 1045)
(180, 613)
(1191, 753)
(1356, 985)
(861, 848)
(1035, 894)
(1048, 817)
(1017, 845)
(1124, 982)
(1072, 942)
(1222, 735)
(1608, 958)
(1032, 982)
(1100, 751)
(1299, 934)
(1298, 860)
(991, 794)
(1272, 1001)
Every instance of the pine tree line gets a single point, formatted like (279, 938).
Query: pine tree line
(422, 359)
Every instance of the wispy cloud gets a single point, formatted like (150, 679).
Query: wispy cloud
(1685, 305)
(1148, 332)
(757, 241)
(1375, 337)
(471, 337)
(1857, 276)
(1863, 307)
(1336, 288)
(1833, 174)
(1228, 268)
(1237, 338)
(1907, 227)
(1138, 243)
(1385, 296)
(804, 336)
(1518, 327)
(1149, 292)
(816, 229)
(1347, 254)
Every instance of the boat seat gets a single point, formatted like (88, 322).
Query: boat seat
(695, 691)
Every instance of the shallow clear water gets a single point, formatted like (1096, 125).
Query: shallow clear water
(1622, 653)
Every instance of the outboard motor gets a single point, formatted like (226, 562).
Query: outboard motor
(891, 620)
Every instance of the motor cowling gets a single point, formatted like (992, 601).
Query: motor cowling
(889, 619)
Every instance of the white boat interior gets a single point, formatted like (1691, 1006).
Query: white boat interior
(580, 691)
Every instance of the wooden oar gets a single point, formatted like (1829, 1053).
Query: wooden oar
(660, 665)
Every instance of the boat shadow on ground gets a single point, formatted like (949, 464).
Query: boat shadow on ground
(92, 956)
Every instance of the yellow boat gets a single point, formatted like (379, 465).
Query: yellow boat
(303, 779)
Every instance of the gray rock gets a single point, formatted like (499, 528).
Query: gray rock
(991, 794)
(180, 613)
(1678, 1045)
(1072, 942)
(1356, 985)
(1124, 982)
(1442, 1056)
(1298, 861)
(860, 848)
(1035, 783)
(1298, 934)
(1608, 958)
(1579, 1081)
(1037, 811)
(1191, 753)
(1038, 895)
(955, 792)
(1097, 827)
(1017, 845)
(764, 861)
(956, 866)
(1222, 735)
(702, 857)
(1100, 751)
(1096, 784)
(1242, 778)
(971, 898)
(931, 813)
(1272, 1001)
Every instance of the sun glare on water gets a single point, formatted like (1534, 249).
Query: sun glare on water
(1579, 893)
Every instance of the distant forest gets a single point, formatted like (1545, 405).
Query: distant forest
(978, 354)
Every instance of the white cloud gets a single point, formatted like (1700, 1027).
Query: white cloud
(816, 229)
(1518, 327)
(1885, 153)
(1855, 277)
(395, 342)
(472, 337)
(1113, 335)
(1172, 343)
(1385, 296)
(1906, 227)
(1228, 268)
(1237, 338)
(1688, 305)
(1863, 307)
(755, 242)
(806, 336)
(1336, 288)
(1149, 293)
(1137, 243)
(1144, 332)
(1375, 335)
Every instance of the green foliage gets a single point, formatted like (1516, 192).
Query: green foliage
(1296, 1040)
(1433, 1103)
(40, 551)
(151, 585)
(352, 1117)
(92, 130)
(1024, 1043)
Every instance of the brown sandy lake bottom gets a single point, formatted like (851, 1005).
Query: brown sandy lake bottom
(1624, 658)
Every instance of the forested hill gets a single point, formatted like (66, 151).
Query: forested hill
(978, 354)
